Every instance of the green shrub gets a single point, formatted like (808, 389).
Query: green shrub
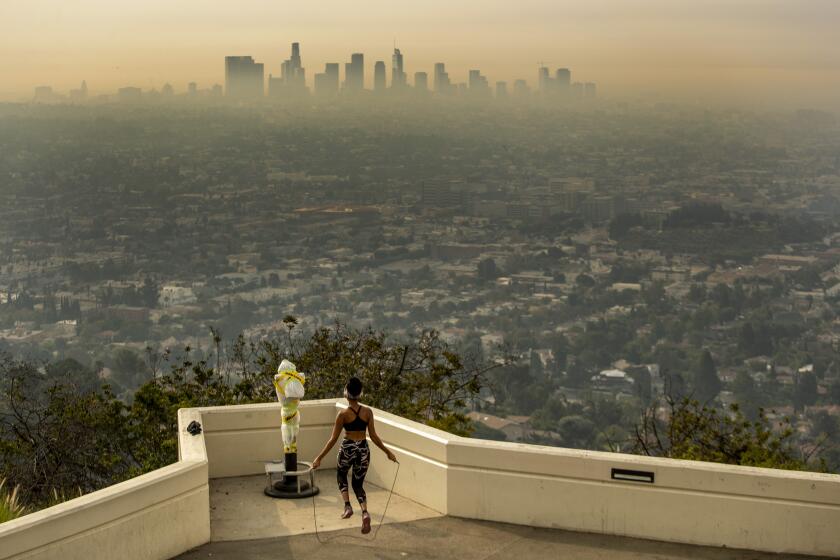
(10, 507)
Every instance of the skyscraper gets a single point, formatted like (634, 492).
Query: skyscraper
(543, 79)
(326, 83)
(478, 84)
(292, 80)
(244, 78)
(563, 77)
(557, 85)
(421, 82)
(520, 89)
(354, 73)
(442, 85)
(589, 90)
(81, 93)
(130, 94)
(379, 76)
(397, 72)
(45, 94)
(501, 90)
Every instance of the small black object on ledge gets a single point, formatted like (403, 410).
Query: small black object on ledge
(194, 428)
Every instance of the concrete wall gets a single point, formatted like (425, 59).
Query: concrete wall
(240, 439)
(154, 516)
(689, 502)
(166, 512)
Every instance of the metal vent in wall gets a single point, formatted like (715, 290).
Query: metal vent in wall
(632, 476)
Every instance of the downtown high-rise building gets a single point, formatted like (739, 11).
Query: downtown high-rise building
(354, 73)
(326, 83)
(477, 84)
(560, 85)
(398, 79)
(521, 89)
(543, 78)
(501, 90)
(292, 80)
(379, 76)
(421, 82)
(81, 93)
(244, 78)
(442, 84)
(563, 77)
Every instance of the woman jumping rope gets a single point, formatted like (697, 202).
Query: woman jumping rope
(354, 451)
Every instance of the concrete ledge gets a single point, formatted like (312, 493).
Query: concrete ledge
(239, 439)
(154, 516)
(166, 512)
(689, 502)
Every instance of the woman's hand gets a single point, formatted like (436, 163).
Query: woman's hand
(316, 463)
(391, 455)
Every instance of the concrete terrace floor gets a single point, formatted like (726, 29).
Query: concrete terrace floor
(240, 511)
(246, 525)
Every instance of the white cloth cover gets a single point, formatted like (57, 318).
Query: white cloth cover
(286, 385)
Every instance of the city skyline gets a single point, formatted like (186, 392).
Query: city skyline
(748, 51)
(247, 78)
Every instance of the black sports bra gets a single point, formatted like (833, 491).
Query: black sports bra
(357, 424)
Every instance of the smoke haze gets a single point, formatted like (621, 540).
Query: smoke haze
(762, 52)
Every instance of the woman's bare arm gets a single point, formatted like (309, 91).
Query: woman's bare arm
(375, 438)
(333, 438)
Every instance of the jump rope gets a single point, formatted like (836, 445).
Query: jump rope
(375, 532)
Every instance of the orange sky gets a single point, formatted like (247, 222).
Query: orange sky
(755, 51)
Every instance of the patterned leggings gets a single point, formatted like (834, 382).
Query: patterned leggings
(354, 454)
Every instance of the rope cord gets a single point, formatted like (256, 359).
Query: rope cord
(375, 532)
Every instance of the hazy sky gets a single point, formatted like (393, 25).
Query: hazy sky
(753, 50)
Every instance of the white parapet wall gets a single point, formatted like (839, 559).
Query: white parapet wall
(687, 501)
(166, 512)
(151, 517)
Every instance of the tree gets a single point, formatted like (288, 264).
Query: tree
(805, 391)
(747, 394)
(73, 374)
(576, 431)
(706, 381)
(57, 433)
(621, 225)
(149, 293)
(746, 339)
(487, 269)
(697, 432)
(129, 368)
(54, 437)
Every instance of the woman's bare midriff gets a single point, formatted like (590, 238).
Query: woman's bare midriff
(355, 436)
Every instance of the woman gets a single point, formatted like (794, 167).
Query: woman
(354, 451)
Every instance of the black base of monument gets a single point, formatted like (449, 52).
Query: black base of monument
(294, 482)
(282, 489)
